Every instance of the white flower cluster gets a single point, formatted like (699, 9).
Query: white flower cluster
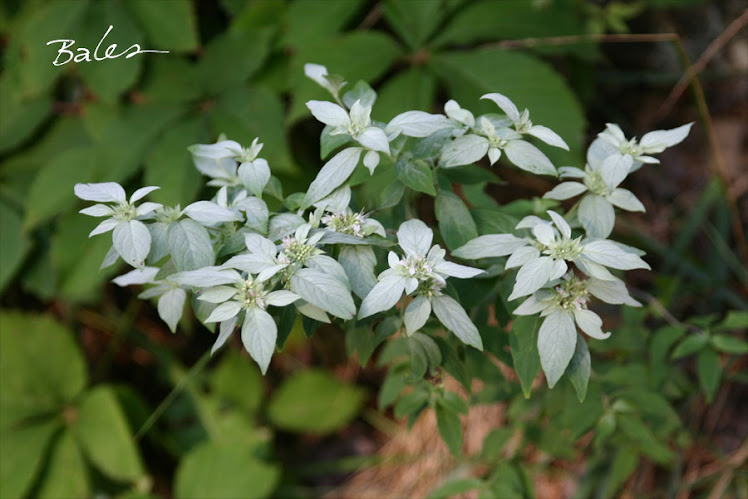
(544, 257)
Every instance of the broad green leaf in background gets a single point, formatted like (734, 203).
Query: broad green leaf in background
(413, 89)
(66, 475)
(243, 52)
(169, 25)
(523, 340)
(212, 471)
(709, 371)
(310, 21)
(728, 344)
(690, 345)
(32, 381)
(450, 428)
(168, 164)
(52, 189)
(359, 55)
(414, 20)
(531, 83)
(103, 433)
(109, 78)
(20, 117)
(453, 487)
(21, 454)
(246, 394)
(415, 174)
(29, 53)
(77, 273)
(314, 401)
(455, 222)
(14, 245)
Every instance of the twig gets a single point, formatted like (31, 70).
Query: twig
(664, 312)
(732, 29)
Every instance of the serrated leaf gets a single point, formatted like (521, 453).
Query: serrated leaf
(455, 222)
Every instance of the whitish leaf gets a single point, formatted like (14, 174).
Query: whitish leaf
(170, 307)
(105, 226)
(659, 140)
(591, 323)
(209, 213)
(329, 113)
(565, 190)
(529, 158)
(142, 192)
(625, 200)
(324, 291)
(415, 237)
(132, 241)
(597, 216)
(505, 104)
(453, 317)
(205, 277)
(611, 255)
(375, 139)
(418, 123)
(464, 150)
(224, 331)
(136, 276)
(416, 314)
(611, 291)
(105, 192)
(615, 168)
(548, 136)
(491, 245)
(358, 263)
(255, 175)
(532, 276)
(97, 210)
(557, 340)
(190, 245)
(333, 174)
(455, 270)
(224, 312)
(383, 296)
(259, 333)
(281, 298)
(521, 256)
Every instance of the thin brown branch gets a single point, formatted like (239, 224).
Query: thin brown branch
(713, 49)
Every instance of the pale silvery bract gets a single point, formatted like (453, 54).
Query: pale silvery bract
(131, 238)
(230, 164)
(522, 123)
(318, 74)
(423, 271)
(171, 298)
(544, 257)
(612, 141)
(563, 304)
(356, 123)
(487, 136)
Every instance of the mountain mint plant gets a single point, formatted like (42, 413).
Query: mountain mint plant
(254, 259)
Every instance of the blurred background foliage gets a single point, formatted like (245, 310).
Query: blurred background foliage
(96, 396)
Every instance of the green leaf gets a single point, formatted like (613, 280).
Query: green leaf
(690, 345)
(531, 84)
(66, 474)
(358, 55)
(642, 436)
(391, 195)
(579, 368)
(239, 382)
(21, 454)
(20, 117)
(624, 464)
(450, 428)
(212, 471)
(311, 21)
(413, 21)
(663, 339)
(710, 372)
(102, 431)
(523, 341)
(34, 381)
(361, 340)
(258, 112)
(415, 174)
(455, 222)
(14, 245)
(314, 401)
(168, 164)
(29, 49)
(413, 89)
(729, 344)
(109, 78)
(52, 189)
(243, 52)
(78, 276)
(169, 25)
(736, 319)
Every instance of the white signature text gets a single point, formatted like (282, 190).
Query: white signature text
(82, 54)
